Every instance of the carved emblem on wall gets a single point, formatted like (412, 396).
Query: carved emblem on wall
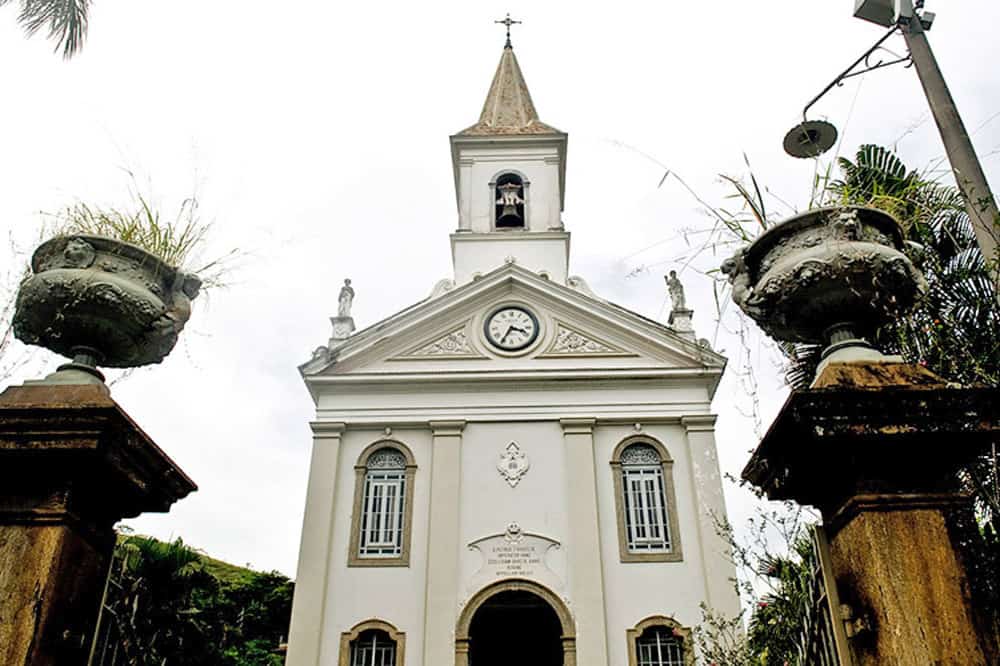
(568, 342)
(513, 464)
(514, 533)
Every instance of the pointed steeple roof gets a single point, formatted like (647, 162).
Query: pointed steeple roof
(508, 109)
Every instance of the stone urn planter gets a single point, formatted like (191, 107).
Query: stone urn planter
(829, 275)
(103, 302)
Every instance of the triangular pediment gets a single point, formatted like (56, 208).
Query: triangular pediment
(576, 333)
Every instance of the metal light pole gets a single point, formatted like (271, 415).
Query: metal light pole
(969, 176)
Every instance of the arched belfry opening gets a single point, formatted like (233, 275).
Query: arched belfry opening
(515, 622)
(509, 200)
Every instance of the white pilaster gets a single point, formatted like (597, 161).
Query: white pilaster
(584, 552)
(720, 572)
(441, 592)
(311, 594)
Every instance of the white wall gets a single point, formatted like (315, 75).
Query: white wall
(636, 590)
(392, 594)
(538, 503)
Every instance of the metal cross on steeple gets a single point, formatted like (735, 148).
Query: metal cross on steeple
(507, 22)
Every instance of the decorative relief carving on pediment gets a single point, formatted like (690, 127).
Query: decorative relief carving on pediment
(455, 344)
(569, 342)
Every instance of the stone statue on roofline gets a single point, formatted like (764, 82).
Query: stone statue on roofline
(676, 290)
(345, 300)
(680, 314)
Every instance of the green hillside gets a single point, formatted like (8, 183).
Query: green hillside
(171, 604)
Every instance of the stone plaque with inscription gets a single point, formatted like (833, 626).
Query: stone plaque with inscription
(514, 554)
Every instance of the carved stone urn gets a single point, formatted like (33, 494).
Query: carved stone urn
(829, 275)
(103, 302)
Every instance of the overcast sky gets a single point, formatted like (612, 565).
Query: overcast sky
(315, 135)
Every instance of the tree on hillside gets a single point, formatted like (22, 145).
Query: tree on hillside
(170, 604)
(65, 21)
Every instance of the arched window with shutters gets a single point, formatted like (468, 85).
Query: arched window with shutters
(383, 506)
(372, 643)
(645, 501)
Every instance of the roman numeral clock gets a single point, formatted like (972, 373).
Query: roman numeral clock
(511, 328)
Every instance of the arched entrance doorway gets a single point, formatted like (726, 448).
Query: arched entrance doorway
(515, 622)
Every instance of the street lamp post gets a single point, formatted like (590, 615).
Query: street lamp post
(969, 176)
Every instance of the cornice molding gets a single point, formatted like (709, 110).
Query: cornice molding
(446, 428)
(578, 426)
(327, 429)
(699, 422)
(510, 235)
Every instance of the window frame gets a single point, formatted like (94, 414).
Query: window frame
(355, 557)
(672, 554)
(682, 633)
(349, 637)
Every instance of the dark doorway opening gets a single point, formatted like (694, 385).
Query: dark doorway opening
(515, 627)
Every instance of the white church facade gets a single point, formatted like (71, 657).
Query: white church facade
(514, 470)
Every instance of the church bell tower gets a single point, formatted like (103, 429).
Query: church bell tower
(510, 176)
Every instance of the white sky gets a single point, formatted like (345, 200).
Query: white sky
(316, 137)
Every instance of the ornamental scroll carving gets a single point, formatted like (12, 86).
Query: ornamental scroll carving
(513, 464)
(455, 343)
(573, 343)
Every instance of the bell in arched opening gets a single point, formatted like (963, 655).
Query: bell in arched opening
(509, 202)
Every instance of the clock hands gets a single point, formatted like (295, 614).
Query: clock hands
(511, 329)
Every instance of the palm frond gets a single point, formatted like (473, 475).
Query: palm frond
(65, 21)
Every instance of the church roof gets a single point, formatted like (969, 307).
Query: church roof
(508, 109)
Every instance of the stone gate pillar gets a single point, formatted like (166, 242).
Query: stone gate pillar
(72, 463)
(876, 446)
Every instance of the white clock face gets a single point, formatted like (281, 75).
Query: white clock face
(511, 328)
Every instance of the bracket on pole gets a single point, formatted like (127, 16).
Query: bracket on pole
(865, 61)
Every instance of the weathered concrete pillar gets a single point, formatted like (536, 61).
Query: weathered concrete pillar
(72, 463)
(876, 447)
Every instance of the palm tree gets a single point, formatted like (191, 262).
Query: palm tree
(64, 20)
(157, 609)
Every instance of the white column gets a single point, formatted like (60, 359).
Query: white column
(443, 548)
(720, 572)
(310, 600)
(586, 571)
